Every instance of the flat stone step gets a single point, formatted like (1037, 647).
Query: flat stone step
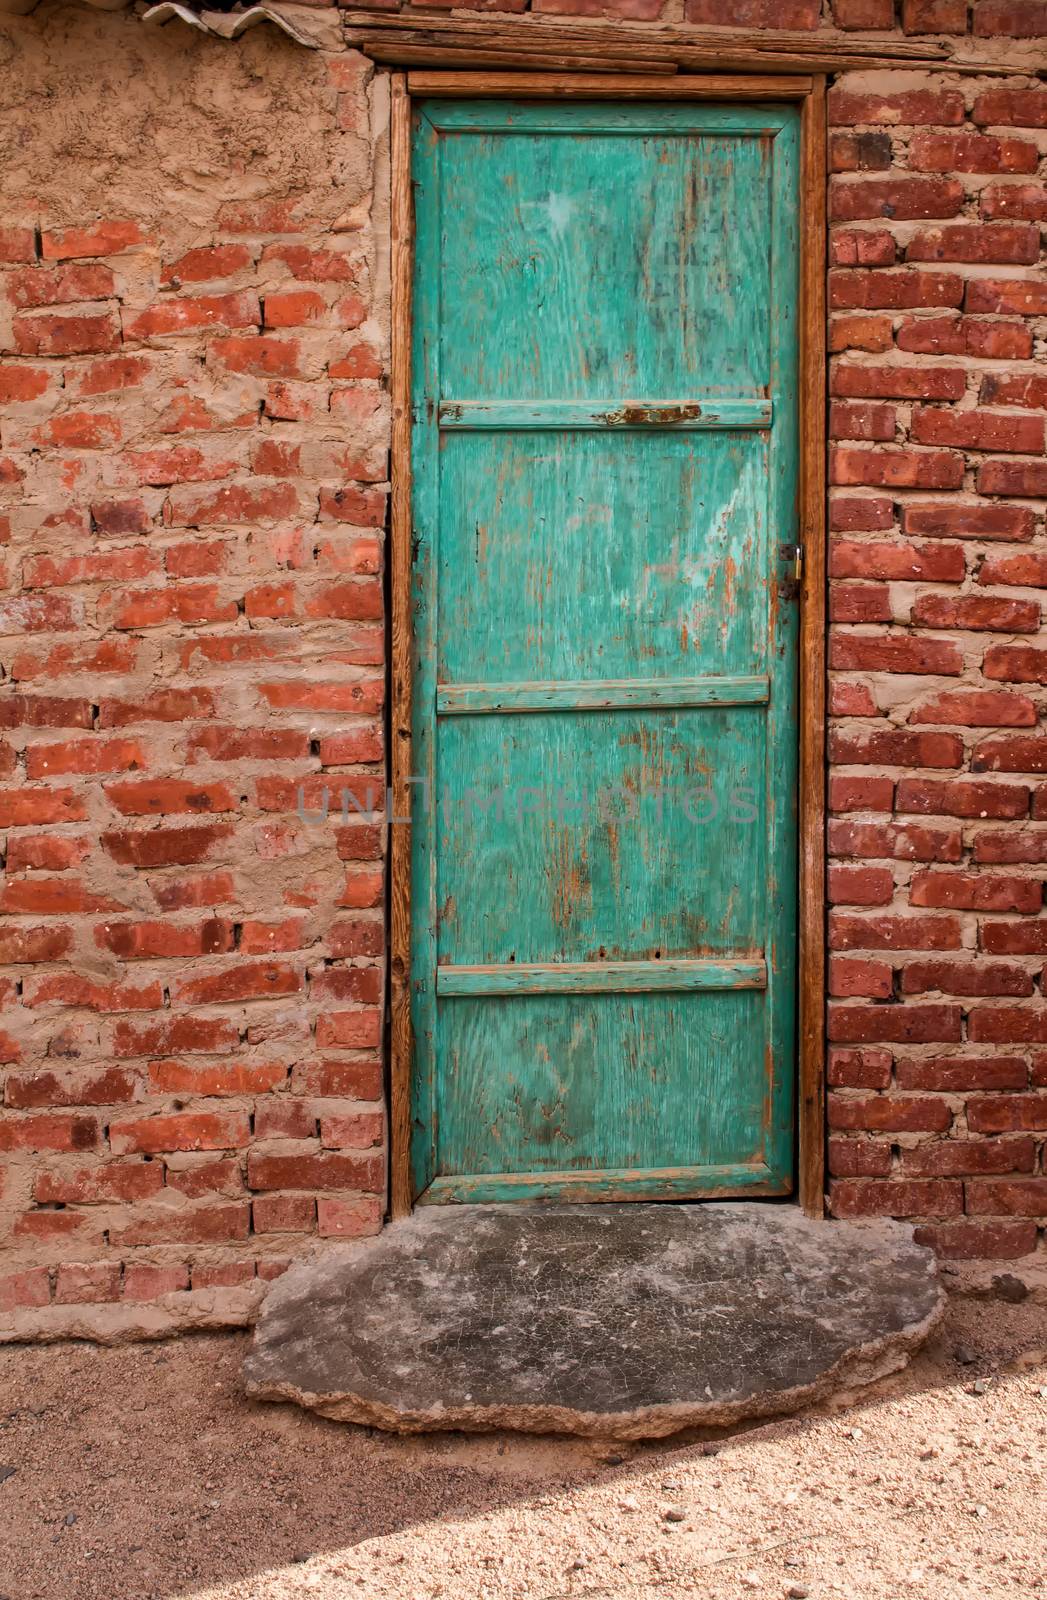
(615, 1321)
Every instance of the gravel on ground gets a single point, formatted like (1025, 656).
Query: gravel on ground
(141, 1471)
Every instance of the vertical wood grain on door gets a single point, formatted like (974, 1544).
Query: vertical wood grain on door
(604, 452)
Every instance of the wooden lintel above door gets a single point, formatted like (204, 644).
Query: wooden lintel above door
(528, 44)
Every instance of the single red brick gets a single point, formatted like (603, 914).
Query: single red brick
(900, 747)
(1002, 341)
(97, 239)
(943, 107)
(894, 652)
(1015, 1197)
(1013, 242)
(962, 1158)
(860, 152)
(1015, 19)
(118, 1181)
(848, 932)
(865, 514)
(353, 1030)
(284, 1213)
(1013, 477)
(963, 891)
(859, 1158)
(898, 382)
(960, 797)
(900, 469)
(859, 1069)
(294, 308)
(66, 334)
(905, 842)
(965, 1240)
(1027, 568)
(32, 945)
(1007, 1025)
(895, 1024)
(204, 1224)
(19, 383)
(90, 1086)
(1014, 938)
(933, 563)
(1026, 201)
(140, 941)
(860, 332)
(23, 1291)
(266, 938)
(17, 244)
(955, 521)
(206, 263)
(326, 1170)
(850, 699)
(203, 1176)
(977, 430)
(78, 1283)
(860, 978)
(144, 1281)
(976, 612)
(1026, 297)
(934, 16)
(1010, 845)
(85, 756)
(858, 421)
(351, 1219)
(42, 286)
(47, 1131)
(1020, 108)
(359, 1080)
(188, 1130)
(860, 794)
(188, 1035)
(1016, 753)
(978, 708)
(1007, 389)
(873, 1197)
(1015, 663)
(165, 796)
(165, 847)
(248, 980)
(970, 152)
(904, 290)
(260, 356)
(1012, 1113)
(957, 1075)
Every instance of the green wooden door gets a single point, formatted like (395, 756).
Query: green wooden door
(605, 475)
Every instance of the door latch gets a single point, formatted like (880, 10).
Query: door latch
(794, 554)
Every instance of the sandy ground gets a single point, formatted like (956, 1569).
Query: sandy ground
(142, 1472)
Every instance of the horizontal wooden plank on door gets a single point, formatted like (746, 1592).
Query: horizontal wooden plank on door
(611, 1183)
(600, 977)
(677, 414)
(472, 699)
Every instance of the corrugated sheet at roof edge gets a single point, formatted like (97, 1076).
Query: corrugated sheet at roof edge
(222, 24)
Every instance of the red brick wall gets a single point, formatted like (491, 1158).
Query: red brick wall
(938, 1024)
(193, 464)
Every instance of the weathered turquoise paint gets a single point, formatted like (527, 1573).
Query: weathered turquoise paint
(605, 449)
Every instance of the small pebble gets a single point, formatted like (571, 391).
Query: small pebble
(674, 1515)
(797, 1591)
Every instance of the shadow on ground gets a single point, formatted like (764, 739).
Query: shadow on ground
(142, 1472)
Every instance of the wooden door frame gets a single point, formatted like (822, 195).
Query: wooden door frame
(811, 955)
